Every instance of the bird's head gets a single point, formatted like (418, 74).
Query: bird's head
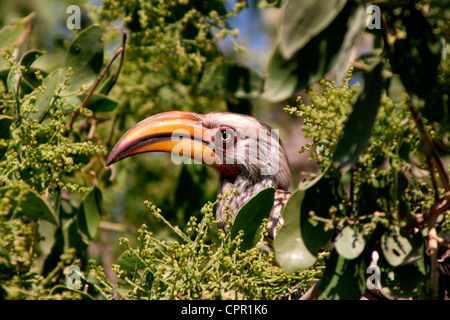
(234, 144)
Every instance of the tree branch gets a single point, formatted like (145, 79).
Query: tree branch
(429, 149)
(99, 78)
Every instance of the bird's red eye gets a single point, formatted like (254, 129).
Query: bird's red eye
(225, 137)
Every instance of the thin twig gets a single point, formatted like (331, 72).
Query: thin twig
(116, 75)
(311, 293)
(99, 78)
(429, 149)
(111, 131)
(433, 252)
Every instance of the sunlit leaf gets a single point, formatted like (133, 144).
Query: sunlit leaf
(300, 238)
(290, 250)
(397, 248)
(349, 243)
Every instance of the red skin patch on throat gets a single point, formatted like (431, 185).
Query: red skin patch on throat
(228, 171)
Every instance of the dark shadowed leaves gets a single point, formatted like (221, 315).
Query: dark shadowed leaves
(343, 279)
(408, 278)
(101, 103)
(29, 81)
(5, 124)
(416, 57)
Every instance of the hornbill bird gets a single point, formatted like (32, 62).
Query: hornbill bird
(247, 154)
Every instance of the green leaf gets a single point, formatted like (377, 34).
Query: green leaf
(29, 81)
(397, 248)
(85, 56)
(29, 57)
(291, 251)
(282, 78)
(314, 233)
(130, 263)
(101, 103)
(301, 237)
(37, 207)
(358, 127)
(10, 34)
(44, 99)
(396, 90)
(343, 279)
(33, 205)
(349, 243)
(60, 289)
(250, 217)
(90, 213)
(301, 20)
(308, 65)
(54, 256)
(353, 35)
(77, 240)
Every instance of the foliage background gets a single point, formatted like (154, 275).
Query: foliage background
(181, 55)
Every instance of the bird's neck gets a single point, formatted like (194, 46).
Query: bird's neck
(246, 189)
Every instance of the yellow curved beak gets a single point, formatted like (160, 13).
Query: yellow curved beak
(176, 132)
